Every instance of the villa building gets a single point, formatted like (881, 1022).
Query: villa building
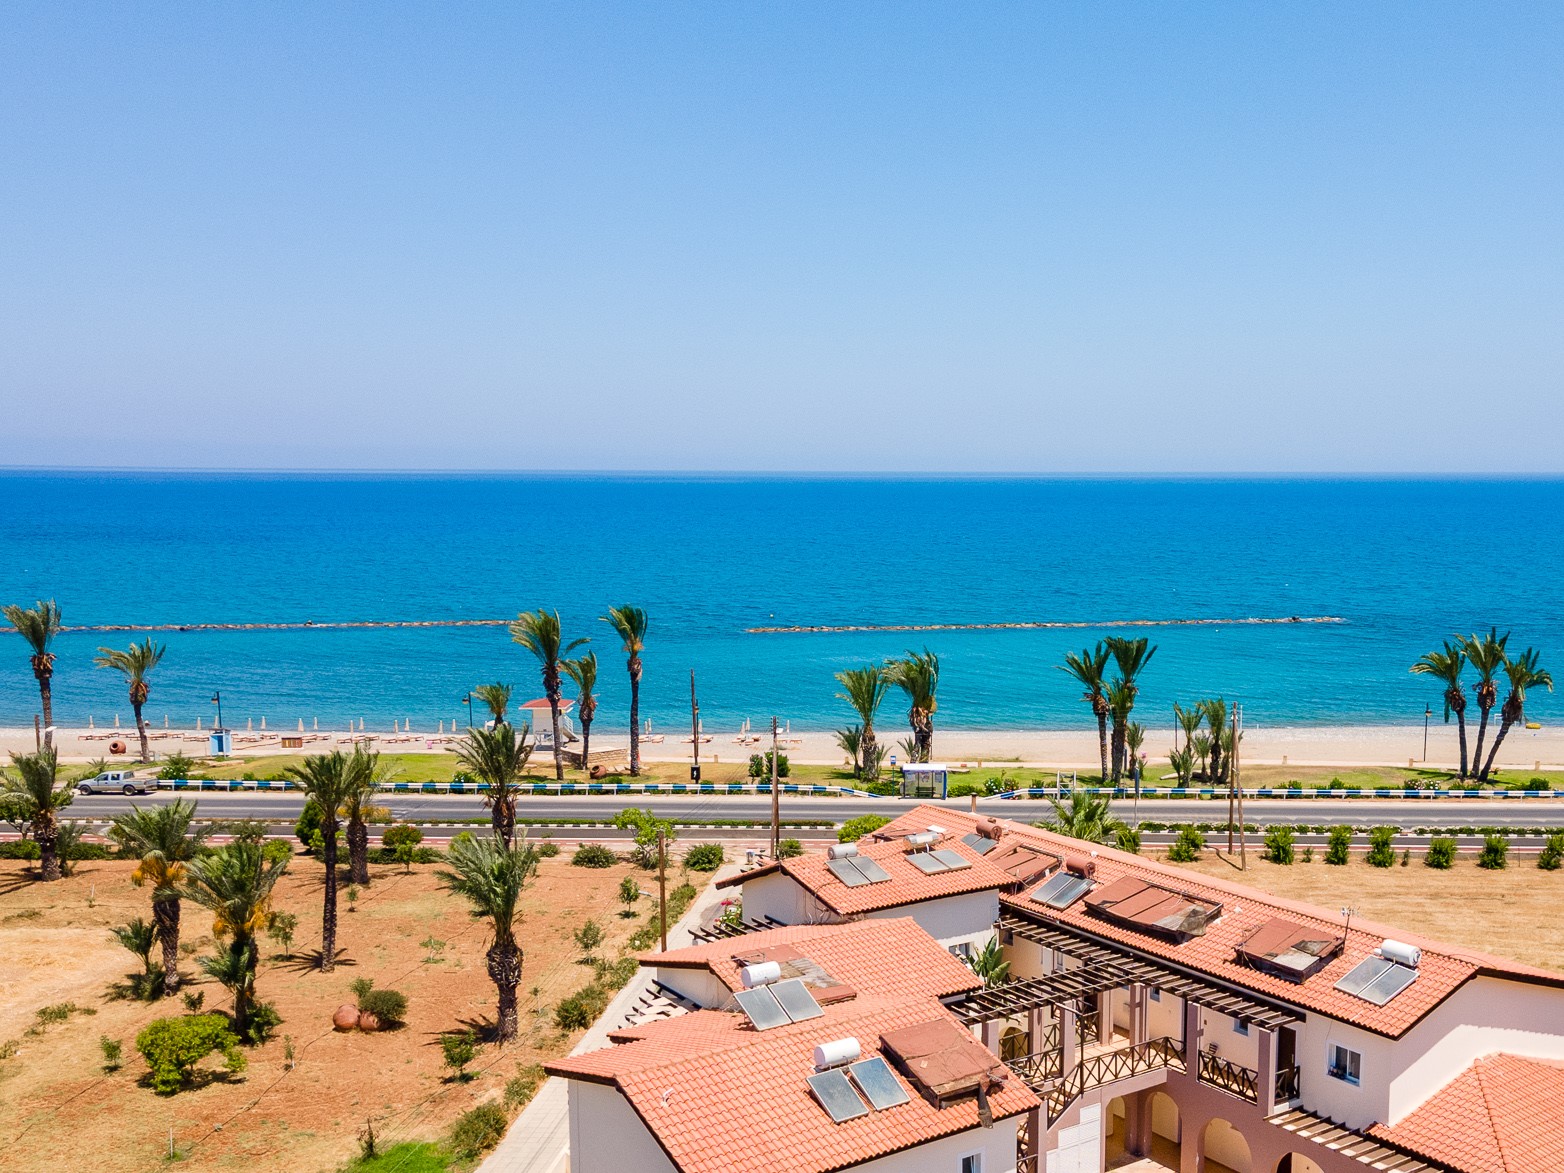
(1151, 1019)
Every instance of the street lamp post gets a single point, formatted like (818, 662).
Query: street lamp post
(1428, 711)
(217, 699)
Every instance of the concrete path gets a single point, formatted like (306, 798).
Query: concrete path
(539, 1140)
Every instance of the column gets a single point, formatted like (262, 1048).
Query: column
(1067, 1041)
(1192, 1037)
(991, 1030)
(1036, 1025)
(1266, 1081)
(1139, 1013)
(1105, 1017)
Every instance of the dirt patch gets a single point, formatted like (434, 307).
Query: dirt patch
(54, 1097)
(1513, 912)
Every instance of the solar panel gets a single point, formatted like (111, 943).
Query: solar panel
(844, 871)
(952, 860)
(1061, 890)
(878, 1084)
(981, 844)
(763, 1010)
(836, 1095)
(872, 871)
(796, 1000)
(1388, 984)
(1361, 975)
(927, 862)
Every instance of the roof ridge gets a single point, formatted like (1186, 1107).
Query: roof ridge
(1479, 1073)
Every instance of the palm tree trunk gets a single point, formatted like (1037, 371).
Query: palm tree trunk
(242, 945)
(586, 744)
(165, 915)
(46, 834)
(46, 697)
(1117, 751)
(635, 717)
(328, 923)
(1460, 729)
(141, 731)
(358, 850)
(866, 747)
(497, 818)
(504, 960)
(1511, 713)
(1102, 744)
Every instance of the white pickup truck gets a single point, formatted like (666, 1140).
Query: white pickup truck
(112, 782)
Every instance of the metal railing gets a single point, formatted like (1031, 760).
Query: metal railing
(1287, 1085)
(1040, 1067)
(1043, 1072)
(1229, 1076)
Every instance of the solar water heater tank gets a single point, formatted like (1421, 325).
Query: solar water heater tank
(841, 850)
(836, 1052)
(1401, 953)
(760, 974)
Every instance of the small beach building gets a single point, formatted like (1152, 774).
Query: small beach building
(537, 717)
(925, 780)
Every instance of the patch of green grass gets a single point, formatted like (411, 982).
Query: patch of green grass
(408, 1157)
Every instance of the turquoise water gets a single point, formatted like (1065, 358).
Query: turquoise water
(1403, 562)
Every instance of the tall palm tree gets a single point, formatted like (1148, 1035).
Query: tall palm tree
(491, 876)
(538, 632)
(583, 672)
(1523, 673)
(134, 663)
(1446, 666)
(1121, 702)
(497, 697)
(1086, 816)
(1089, 668)
(328, 781)
(1188, 720)
(917, 675)
(497, 757)
(1215, 711)
(1130, 656)
(1486, 654)
(864, 688)
(38, 625)
(38, 798)
(364, 776)
(166, 841)
(235, 884)
(631, 624)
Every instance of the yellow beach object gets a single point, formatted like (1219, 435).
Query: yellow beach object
(1533, 724)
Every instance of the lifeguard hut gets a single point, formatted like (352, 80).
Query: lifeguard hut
(925, 780)
(536, 717)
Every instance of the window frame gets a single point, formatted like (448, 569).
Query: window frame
(976, 1157)
(1240, 1027)
(1344, 1073)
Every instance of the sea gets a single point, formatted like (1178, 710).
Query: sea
(1402, 564)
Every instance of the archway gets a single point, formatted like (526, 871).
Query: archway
(1113, 1137)
(1223, 1149)
(1014, 1044)
(1164, 1118)
(1297, 1163)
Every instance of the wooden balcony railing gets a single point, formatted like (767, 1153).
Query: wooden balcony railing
(1097, 1070)
(1039, 1068)
(1229, 1076)
(1287, 1085)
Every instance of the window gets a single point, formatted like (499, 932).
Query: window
(1240, 1026)
(972, 1163)
(1345, 1065)
(1156, 994)
(962, 949)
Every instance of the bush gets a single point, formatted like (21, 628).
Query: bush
(1340, 843)
(1495, 853)
(594, 855)
(111, 1052)
(588, 937)
(1441, 854)
(1308, 855)
(173, 1046)
(615, 975)
(789, 849)
(1552, 854)
(704, 857)
(1538, 784)
(1188, 846)
(520, 1090)
(390, 1006)
(478, 1130)
(459, 1049)
(1279, 845)
(581, 1009)
(401, 835)
(276, 851)
(1126, 838)
(965, 788)
(307, 826)
(760, 766)
(548, 850)
(644, 938)
(411, 854)
(20, 849)
(1380, 853)
(855, 829)
(177, 767)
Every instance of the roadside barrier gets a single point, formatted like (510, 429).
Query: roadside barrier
(1267, 792)
(548, 788)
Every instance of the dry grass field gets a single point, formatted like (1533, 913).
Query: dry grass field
(60, 1110)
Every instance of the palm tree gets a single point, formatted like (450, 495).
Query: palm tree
(989, 964)
(134, 663)
(1121, 702)
(37, 800)
(864, 688)
(918, 676)
(1087, 817)
(497, 757)
(1523, 673)
(851, 742)
(490, 876)
(166, 841)
(631, 624)
(1188, 720)
(497, 697)
(235, 884)
(583, 671)
(1215, 711)
(1486, 654)
(1088, 668)
(1130, 656)
(38, 625)
(538, 632)
(1446, 666)
(364, 775)
(328, 781)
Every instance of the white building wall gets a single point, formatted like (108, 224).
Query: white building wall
(782, 898)
(700, 986)
(953, 919)
(996, 1144)
(606, 1136)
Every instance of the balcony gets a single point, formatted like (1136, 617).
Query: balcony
(1288, 1086)
(1043, 1071)
(1229, 1076)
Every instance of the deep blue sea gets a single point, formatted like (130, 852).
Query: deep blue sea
(1405, 563)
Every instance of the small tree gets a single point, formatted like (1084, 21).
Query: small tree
(1381, 854)
(1495, 853)
(173, 1046)
(629, 893)
(760, 766)
(855, 829)
(588, 937)
(1339, 849)
(280, 927)
(1441, 854)
(789, 849)
(1552, 855)
(459, 1049)
(1279, 845)
(403, 840)
(989, 964)
(704, 857)
(1188, 846)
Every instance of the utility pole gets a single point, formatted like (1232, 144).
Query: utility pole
(695, 733)
(1238, 788)
(776, 801)
(662, 886)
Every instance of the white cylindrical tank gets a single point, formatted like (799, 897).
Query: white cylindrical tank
(760, 974)
(922, 838)
(841, 850)
(836, 1052)
(1399, 951)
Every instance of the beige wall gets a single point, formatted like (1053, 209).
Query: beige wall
(700, 986)
(606, 1136)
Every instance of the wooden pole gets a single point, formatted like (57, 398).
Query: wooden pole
(776, 798)
(695, 732)
(662, 887)
(1238, 790)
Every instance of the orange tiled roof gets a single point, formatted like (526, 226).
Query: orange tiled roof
(1500, 1115)
(719, 1095)
(887, 957)
(907, 885)
(1443, 970)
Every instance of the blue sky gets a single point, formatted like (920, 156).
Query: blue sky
(982, 238)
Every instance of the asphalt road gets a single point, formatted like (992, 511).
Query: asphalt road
(416, 808)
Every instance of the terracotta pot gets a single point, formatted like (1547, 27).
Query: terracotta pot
(368, 1021)
(346, 1017)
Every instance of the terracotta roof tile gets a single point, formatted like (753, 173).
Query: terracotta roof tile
(1500, 1115)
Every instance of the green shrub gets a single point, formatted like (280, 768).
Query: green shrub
(20, 849)
(1380, 853)
(462, 837)
(276, 851)
(855, 829)
(1538, 784)
(588, 937)
(1440, 854)
(523, 1086)
(581, 1009)
(478, 1130)
(548, 850)
(965, 788)
(1188, 846)
(1340, 844)
(594, 855)
(112, 1050)
(760, 766)
(1279, 845)
(307, 826)
(789, 849)
(1127, 838)
(1308, 855)
(459, 1049)
(615, 975)
(177, 767)
(1552, 855)
(406, 855)
(704, 857)
(644, 938)
(1495, 853)
(679, 900)
(1337, 784)
(173, 1046)
(400, 835)
(390, 1006)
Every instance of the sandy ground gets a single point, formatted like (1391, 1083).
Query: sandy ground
(1342, 745)
(55, 947)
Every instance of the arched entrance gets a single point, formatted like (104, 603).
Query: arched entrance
(1297, 1163)
(1014, 1044)
(1113, 1148)
(1223, 1149)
